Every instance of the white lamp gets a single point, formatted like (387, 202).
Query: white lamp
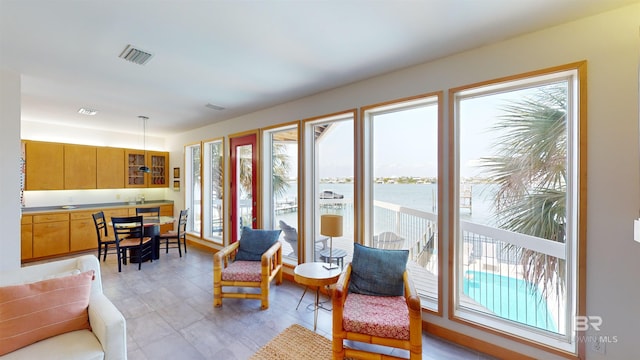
(331, 225)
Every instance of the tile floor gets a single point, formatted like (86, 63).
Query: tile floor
(169, 312)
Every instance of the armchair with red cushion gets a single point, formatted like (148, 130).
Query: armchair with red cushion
(375, 302)
(253, 261)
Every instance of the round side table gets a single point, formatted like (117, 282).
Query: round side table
(329, 256)
(314, 274)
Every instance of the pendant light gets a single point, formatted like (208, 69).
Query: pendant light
(144, 168)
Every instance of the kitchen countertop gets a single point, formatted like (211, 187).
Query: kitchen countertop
(80, 207)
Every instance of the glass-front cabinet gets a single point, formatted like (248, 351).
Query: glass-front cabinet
(158, 163)
(146, 168)
(135, 160)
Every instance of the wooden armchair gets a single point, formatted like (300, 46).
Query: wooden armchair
(393, 321)
(229, 272)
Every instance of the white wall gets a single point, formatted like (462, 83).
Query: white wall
(610, 43)
(10, 161)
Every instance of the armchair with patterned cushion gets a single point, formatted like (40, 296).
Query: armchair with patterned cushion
(375, 302)
(253, 261)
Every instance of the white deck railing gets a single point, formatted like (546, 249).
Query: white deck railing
(491, 264)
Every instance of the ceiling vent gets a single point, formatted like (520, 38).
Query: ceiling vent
(214, 107)
(85, 111)
(137, 56)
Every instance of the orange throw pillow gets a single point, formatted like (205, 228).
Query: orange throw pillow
(36, 311)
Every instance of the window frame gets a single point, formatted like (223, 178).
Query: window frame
(268, 205)
(367, 128)
(310, 179)
(576, 194)
(196, 211)
(206, 166)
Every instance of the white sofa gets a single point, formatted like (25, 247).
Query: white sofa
(107, 338)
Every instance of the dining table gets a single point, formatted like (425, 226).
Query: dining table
(151, 226)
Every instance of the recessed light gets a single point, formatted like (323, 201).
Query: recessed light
(85, 111)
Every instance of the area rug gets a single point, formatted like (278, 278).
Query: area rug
(295, 343)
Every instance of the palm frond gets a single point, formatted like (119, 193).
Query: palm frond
(529, 165)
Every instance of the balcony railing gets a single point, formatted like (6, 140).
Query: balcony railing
(491, 276)
(492, 279)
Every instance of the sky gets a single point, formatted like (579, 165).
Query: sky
(405, 142)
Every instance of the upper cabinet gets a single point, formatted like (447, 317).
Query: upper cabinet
(110, 168)
(158, 163)
(44, 165)
(135, 160)
(79, 167)
(55, 166)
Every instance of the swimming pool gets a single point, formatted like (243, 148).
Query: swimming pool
(509, 298)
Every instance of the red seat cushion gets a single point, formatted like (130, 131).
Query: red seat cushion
(382, 316)
(243, 271)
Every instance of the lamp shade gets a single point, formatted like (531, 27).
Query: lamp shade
(331, 225)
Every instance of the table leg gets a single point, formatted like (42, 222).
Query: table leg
(315, 315)
(302, 297)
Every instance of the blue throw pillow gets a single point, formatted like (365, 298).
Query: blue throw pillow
(253, 243)
(378, 272)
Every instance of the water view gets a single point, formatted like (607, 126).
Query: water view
(421, 197)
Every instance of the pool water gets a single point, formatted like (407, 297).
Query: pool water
(509, 298)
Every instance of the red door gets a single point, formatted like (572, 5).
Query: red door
(244, 180)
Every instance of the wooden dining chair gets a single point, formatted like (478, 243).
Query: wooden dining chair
(105, 244)
(176, 238)
(149, 212)
(130, 242)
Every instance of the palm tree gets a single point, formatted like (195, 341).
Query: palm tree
(529, 167)
(281, 167)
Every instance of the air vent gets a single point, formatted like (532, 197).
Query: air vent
(214, 107)
(85, 111)
(137, 56)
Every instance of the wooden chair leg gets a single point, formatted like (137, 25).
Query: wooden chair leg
(217, 287)
(119, 260)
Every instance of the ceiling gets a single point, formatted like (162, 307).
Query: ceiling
(240, 55)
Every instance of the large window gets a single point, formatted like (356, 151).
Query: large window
(329, 185)
(213, 181)
(281, 177)
(193, 189)
(401, 186)
(517, 197)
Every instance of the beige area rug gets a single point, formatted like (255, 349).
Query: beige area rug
(295, 343)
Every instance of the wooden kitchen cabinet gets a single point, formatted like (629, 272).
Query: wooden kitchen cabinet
(135, 178)
(44, 165)
(158, 163)
(82, 231)
(110, 168)
(59, 233)
(50, 234)
(57, 166)
(79, 167)
(26, 237)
